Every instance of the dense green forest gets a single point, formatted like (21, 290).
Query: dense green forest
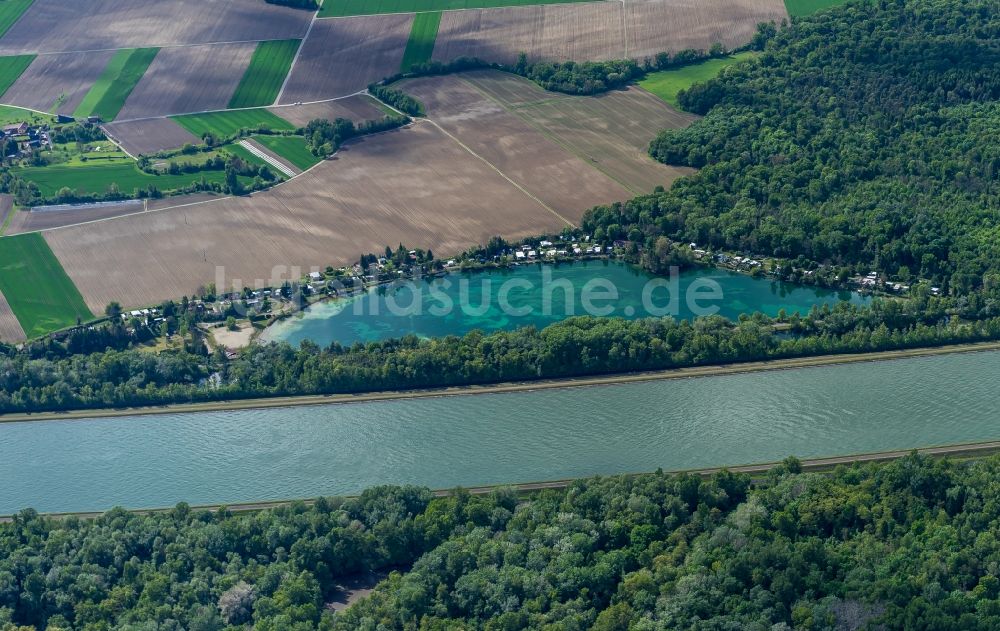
(47, 376)
(906, 545)
(865, 135)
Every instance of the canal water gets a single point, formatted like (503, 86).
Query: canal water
(228, 457)
(536, 295)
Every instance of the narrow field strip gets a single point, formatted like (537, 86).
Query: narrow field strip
(41, 295)
(225, 124)
(262, 81)
(800, 8)
(277, 165)
(423, 34)
(107, 97)
(345, 8)
(11, 69)
(10, 12)
(97, 178)
(290, 148)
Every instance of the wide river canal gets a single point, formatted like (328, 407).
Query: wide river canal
(228, 457)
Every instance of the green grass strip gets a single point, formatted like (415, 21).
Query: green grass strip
(666, 84)
(292, 148)
(41, 295)
(420, 46)
(108, 95)
(97, 177)
(344, 8)
(800, 8)
(10, 12)
(266, 73)
(225, 124)
(11, 68)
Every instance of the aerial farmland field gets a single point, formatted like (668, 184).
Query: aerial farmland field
(358, 108)
(224, 124)
(107, 96)
(60, 26)
(10, 328)
(189, 79)
(145, 137)
(344, 55)
(420, 46)
(563, 181)
(11, 68)
(36, 288)
(344, 8)
(578, 32)
(610, 132)
(675, 25)
(96, 177)
(267, 71)
(667, 84)
(291, 149)
(10, 12)
(58, 83)
(437, 196)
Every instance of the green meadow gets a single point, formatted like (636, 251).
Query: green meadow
(344, 8)
(291, 148)
(267, 71)
(667, 84)
(420, 46)
(800, 8)
(9, 115)
(41, 295)
(96, 177)
(107, 96)
(225, 124)
(11, 68)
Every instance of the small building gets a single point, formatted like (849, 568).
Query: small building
(17, 129)
(315, 276)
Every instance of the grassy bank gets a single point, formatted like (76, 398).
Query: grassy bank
(500, 388)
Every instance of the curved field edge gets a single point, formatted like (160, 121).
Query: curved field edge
(37, 288)
(268, 68)
(347, 8)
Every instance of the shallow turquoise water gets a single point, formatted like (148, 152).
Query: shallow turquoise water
(469, 440)
(535, 295)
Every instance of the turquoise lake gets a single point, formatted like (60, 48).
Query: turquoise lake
(536, 295)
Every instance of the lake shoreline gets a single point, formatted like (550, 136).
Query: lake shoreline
(716, 370)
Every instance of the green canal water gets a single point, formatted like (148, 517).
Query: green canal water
(537, 295)
(214, 457)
